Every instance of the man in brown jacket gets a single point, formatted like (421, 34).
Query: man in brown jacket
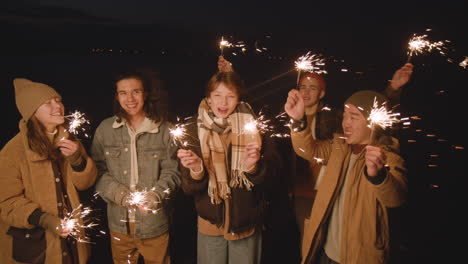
(349, 220)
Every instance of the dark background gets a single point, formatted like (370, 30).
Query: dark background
(77, 46)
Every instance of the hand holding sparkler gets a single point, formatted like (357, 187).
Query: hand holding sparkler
(224, 65)
(67, 147)
(53, 224)
(294, 106)
(189, 160)
(252, 155)
(375, 160)
(401, 77)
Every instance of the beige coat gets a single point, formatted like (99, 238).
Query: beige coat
(27, 183)
(365, 229)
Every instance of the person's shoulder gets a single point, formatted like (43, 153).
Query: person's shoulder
(13, 147)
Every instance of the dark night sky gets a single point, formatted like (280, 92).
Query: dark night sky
(76, 46)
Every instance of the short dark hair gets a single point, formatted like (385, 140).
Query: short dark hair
(155, 105)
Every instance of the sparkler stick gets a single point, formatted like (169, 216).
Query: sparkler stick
(380, 117)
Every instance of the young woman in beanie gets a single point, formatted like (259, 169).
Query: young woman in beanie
(349, 218)
(224, 168)
(42, 168)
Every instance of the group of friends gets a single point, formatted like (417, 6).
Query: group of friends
(344, 179)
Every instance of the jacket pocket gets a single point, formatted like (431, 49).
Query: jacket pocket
(112, 155)
(29, 245)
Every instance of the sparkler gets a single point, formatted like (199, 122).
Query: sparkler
(141, 198)
(309, 63)
(224, 43)
(420, 44)
(381, 117)
(179, 132)
(77, 119)
(71, 222)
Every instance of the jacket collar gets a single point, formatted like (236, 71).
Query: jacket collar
(148, 125)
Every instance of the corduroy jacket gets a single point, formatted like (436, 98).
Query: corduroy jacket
(27, 183)
(365, 217)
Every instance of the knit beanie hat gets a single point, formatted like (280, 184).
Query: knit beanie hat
(30, 95)
(316, 76)
(364, 101)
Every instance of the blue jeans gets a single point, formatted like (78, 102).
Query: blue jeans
(217, 250)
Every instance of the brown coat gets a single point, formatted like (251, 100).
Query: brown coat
(27, 183)
(365, 228)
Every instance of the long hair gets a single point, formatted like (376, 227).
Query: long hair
(38, 140)
(232, 81)
(155, 103)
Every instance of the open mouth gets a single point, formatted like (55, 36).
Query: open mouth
(222, 111)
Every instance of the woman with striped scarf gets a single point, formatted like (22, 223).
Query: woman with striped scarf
(224, 167)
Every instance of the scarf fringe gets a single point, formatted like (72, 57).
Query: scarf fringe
(239, 179)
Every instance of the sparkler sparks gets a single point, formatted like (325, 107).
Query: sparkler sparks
(142, 199)
(310, 63)
(380, 116)
(420, 44)
(71, 222)
(77, 119)
(179, 133)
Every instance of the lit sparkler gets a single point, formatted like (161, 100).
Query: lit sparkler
(380, 116)
(310, 63)
(420, 44)
(77, 119)
(71, 222)
(141, 199)
(179, 133)
(224, 43)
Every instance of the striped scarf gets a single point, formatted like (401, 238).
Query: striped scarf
(215, 154)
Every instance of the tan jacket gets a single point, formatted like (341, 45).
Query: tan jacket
(365, 228)
(27, 183)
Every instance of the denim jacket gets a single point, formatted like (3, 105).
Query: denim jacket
(157, 169)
